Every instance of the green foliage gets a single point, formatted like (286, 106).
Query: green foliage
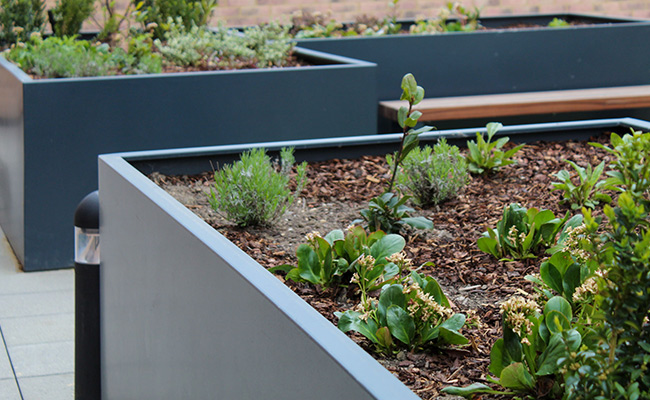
(486, 156)
(316, 25)
(139, 57)
(64, 57)
(389, 212)
(19, 19)
(521, 233)
(221, 48)
(251, 191)
(408, 315)
(323, 260)
(453, 18)
(587, 193)
(68, 16)
(631, 169)
(536, 345)
(432, 176)
(614, 365)
(159, 13)
(558, 23)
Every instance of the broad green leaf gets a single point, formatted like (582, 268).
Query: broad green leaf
(493, 128)
(391, 295)
(571, 279)
(433, 288)
(384, 339)
(415, 115)
(512, 344)
(499, 358)
(387, 245)
(471, 390)
(558, 347)
(401, 324)
(281, 268)
(452, 337)
(350, 321)
(409, 85)
(401, 116)
(556, 322)
(489, 245)
(516, 377)
(308, 264)
(551, 276)
(418, 222)
(559, 304)
(334, 236)
(419, 95)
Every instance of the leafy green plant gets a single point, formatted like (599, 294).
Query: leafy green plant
(64, 57)
(388, 212)
(324, 260)
(316, 25)
(432, 176)
(485, 156)
(414, 313)
(587, 193)
(251, 191)
(558, 23)
(528, 360)
(222, 48)
(68, 16)
(614, 364)
(139, 58)
(521, 233)
(453, 18)
(19, 19)
(161, 12)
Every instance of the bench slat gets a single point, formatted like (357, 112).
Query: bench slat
(528, 103)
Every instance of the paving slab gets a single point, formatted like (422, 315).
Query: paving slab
(51, 387)
(33, 304)
(42, 359)
(9, 389)
(6, 372)
(38, 329)
(34, 282)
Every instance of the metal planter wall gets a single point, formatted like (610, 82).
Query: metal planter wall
(53, 129)
(187, 314)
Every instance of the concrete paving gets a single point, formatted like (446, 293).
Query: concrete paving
(36, 331)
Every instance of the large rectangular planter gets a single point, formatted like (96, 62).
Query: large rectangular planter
(53, 129)
(187, 314)
(604, 53)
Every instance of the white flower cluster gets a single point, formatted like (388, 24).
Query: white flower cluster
(425, 307)
(514, 236)
(572, 243)
(400, 260)
(516, 312)
(589, 287)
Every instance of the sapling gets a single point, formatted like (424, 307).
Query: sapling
(388, 211)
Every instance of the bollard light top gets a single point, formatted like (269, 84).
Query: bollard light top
(86, 215)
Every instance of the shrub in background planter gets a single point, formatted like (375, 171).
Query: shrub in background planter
(53, 130)
(179, 298)
(606, 52)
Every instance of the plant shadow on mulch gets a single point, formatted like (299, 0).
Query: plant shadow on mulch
(472, 280)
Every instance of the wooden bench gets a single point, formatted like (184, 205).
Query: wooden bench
(528, 103)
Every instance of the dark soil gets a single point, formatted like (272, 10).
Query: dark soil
(475, 282)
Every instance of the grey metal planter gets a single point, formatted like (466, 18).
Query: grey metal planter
(187, 314)
(53, 129)
(609, 52)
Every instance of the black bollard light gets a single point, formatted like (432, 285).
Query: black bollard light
(86, 267)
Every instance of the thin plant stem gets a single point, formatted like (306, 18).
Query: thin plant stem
(399, 152)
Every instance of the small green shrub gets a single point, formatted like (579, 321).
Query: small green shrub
(251, 191)
(65, 57)
(432, 176)
(323, 260)
(453, 18)
(139, 57)
(410, 315)
(558, 23)
(486, 156)
(221, 48)
(316, 25)
(390, 213)
(68, 16)
(19, 18)
(585, 194)
(161, 12)
(522, 233)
